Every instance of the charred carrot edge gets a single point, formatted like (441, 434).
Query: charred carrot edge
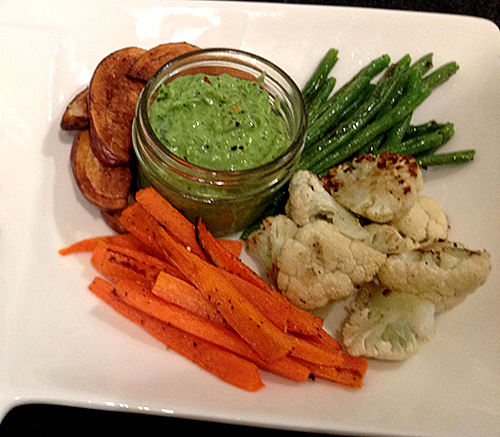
(181, 293)
(112, 259)
(141, 297)
(175, 223)
(221, 363)
(245, 319)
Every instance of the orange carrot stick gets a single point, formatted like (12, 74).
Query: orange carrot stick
(274, 309)
(224, 259)
(251, 325)
(176, 224)
(235, 247)
(299, 320)
(114, 261)
(88, 244)
(142, 224)
(223, 364)
(183, 294)
(314, 354)
(324, 341)
(141, 297)
(350, 373)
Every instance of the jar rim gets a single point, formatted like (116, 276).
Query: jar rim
(229, 55)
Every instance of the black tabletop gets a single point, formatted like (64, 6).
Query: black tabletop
(55, 420)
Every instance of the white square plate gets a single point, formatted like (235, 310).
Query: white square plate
(60, 344)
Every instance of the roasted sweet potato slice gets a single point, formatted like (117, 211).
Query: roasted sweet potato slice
(156, 57)
(105, 187)
(112, 100)
(76, 115)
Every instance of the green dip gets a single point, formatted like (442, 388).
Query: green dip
(219, 122)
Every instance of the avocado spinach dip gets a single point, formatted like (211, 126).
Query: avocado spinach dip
(219, 122)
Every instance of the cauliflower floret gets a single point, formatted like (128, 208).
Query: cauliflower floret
(424, 222)
(380, 188)
(387, 325)
(265, 243)
(308, 200)
(320, 264)
(441, 272)
(387, 239)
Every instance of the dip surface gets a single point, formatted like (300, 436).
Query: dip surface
(218, 122)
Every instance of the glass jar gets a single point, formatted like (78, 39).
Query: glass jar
(227, 201)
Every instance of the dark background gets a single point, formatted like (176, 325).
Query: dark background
(52, 420)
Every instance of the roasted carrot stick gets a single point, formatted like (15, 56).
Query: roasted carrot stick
(299, 320)
(222, 258)
(314, 354)
(274, 309)
(114, 261)
(350, 373)
(181, 293)
(175, 223)
(223, 364)
(235, 247)
(143, 225)
(88, 244)
(141, 297)
(239, 312)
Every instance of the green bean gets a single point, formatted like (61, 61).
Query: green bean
(446, 158)
(383, 92)
(372, 147)
(331, 155)
(423, 144)
(441, 75)
(424, 64)
(394, 76)
(424, 128)
(320, 74)
(448, 131)
(343, 98)
(414, 80)
(397, 132)
(417, 145)
(313, 111)
(347, 112)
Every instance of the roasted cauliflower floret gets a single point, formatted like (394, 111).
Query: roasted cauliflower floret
(308, 200)
(320, 265)
(265, 243)
(426, 221)
(442, 272)
(380, 188)
(386, 238)
(387, 325)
